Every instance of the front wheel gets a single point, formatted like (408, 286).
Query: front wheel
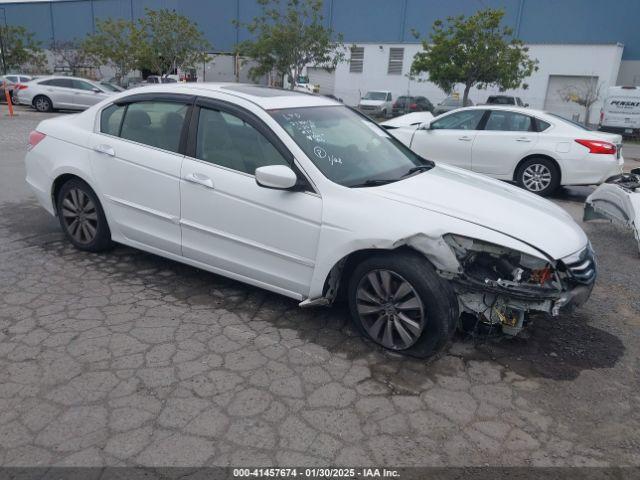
(399, 301)
(539, 176)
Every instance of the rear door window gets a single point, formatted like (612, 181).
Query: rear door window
(155, 123)
(502, 120)
(58, 82)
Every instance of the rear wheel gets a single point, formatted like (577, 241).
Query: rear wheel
(82, 218)
(539, 176)
(398, 301)
(43, 103)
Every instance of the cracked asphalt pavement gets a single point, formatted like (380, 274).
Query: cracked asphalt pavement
(125, 358)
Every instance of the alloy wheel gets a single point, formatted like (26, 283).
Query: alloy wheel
(390, 309)
(536, 177)
(80, 216)
(42, 104)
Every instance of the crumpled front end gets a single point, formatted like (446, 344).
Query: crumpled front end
(499, 286)
(617, 200)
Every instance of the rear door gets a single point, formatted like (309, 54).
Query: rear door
(506, 139)
(449, 138)
(60, 91)
(136, 159)
(264, 236)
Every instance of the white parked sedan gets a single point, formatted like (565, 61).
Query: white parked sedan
(49, 93)
(537, 150)
(305, 197)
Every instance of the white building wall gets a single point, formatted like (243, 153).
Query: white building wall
(602, 61)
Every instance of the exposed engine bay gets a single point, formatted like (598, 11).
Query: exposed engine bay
(500, 286)
(617, 200)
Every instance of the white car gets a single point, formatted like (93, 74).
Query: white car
(537, 150)
(305, 197)
(56, 92)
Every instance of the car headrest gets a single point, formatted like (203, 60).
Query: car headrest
(137, 119)
(173, 121)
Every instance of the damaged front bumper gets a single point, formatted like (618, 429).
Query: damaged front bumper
(499, 287)
(617, 200)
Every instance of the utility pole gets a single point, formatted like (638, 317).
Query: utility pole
(2, 30)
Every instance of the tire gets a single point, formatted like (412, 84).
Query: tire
(538, 175)
(82, 218)
(428, 302)
(43, 103)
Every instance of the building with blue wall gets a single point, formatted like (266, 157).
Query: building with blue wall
(360, 21)
(573, 39)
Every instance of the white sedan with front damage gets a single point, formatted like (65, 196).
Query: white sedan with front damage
(537, 150)
(305, 197)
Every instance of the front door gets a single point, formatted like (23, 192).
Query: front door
(264, 236)
(449, 139)
(84, 94)
(135, 159)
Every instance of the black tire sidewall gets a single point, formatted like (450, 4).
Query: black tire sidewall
(555, 175)
(102, 240)
(437, 296)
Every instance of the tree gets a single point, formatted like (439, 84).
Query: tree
(585, 94)
(71, 54)
(170, 41)
(288, 39)
(116, 42)
(474, 51)
(21, 51)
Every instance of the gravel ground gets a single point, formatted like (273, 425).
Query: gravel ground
(125, 358)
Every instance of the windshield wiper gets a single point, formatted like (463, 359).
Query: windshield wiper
(374, 182)
(419, 168)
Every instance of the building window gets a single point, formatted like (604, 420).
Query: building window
(396, 55)
(357, 59)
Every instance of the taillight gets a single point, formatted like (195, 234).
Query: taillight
(413, 105)
(598, 146)
(35, 137)
(20, 86)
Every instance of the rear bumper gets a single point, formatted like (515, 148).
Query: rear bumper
(592, 169)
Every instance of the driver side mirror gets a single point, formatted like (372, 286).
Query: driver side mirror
(96, 90)
(278, 177)
(425, 125)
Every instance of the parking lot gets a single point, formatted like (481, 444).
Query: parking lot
(126, 358)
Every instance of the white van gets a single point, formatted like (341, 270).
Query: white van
(621, 111)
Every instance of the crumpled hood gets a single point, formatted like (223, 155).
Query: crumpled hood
(490, 203)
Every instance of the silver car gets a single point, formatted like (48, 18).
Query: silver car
(48, 93)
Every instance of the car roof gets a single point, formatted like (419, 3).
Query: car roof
(265, 97)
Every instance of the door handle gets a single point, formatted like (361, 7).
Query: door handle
(465, 139)
(523, 139)
(105, 149)
(200, 179)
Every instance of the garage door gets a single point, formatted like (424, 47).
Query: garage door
(326, 80)
(562, 86)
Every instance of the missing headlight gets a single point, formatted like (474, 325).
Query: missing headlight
(499, 266)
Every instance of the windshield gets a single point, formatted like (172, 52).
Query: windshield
(375, 96)
(571, 122)
(348, 148)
